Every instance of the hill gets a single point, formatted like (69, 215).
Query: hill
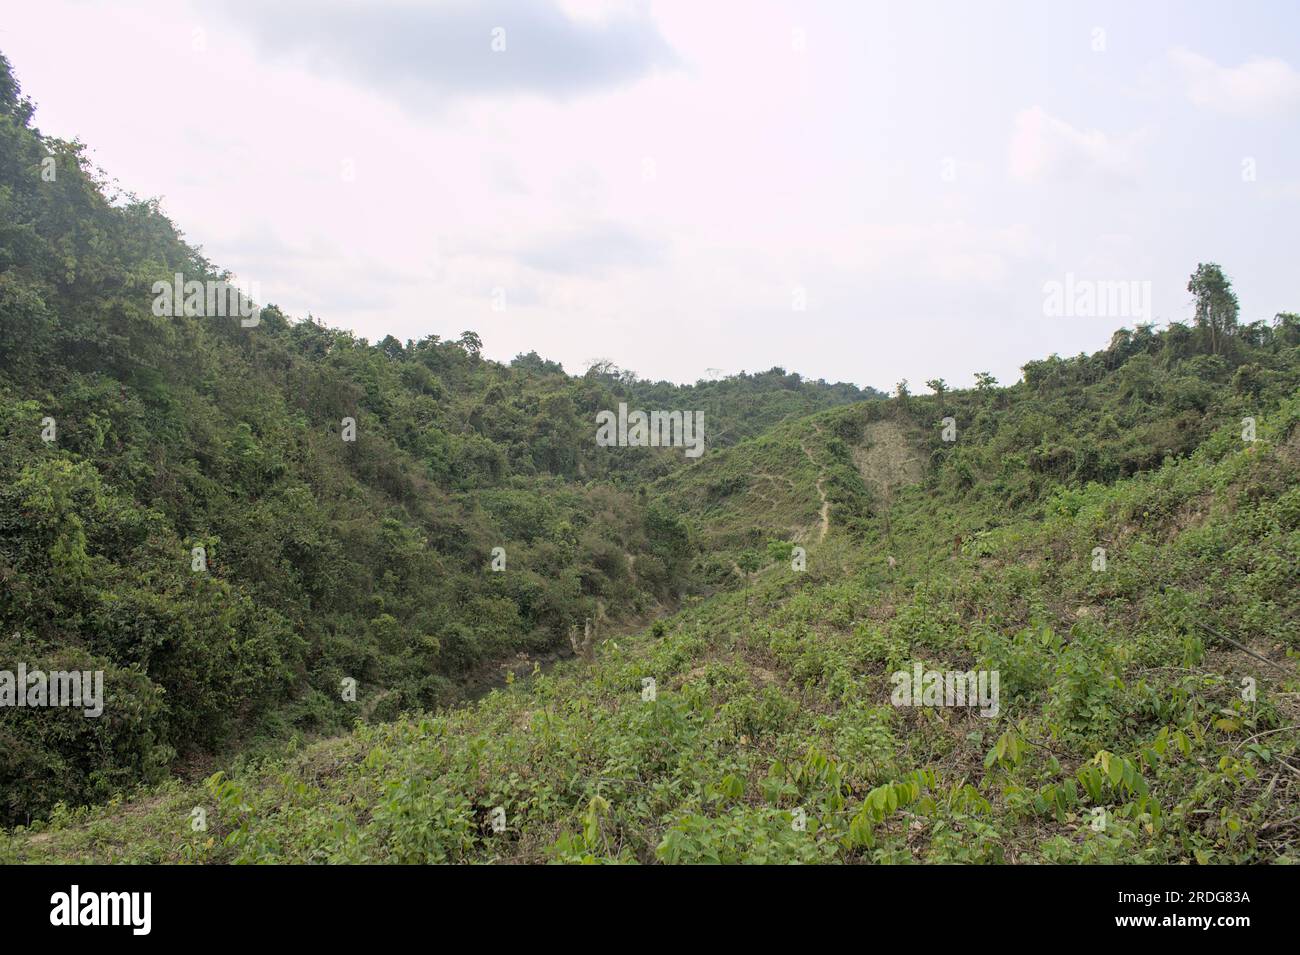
(181, 506)
(1119, 703)
(1109, 547)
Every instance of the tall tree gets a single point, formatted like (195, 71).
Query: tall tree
(1216, 302)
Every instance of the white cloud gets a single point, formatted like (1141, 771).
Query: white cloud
(650, 180)
(590, 250)
(1045, 148)
(422, 53)
(950, 251)
(1257, 88)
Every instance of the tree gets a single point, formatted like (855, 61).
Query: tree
(984, 381)
(601, 368)
(12, 102)
(1216, 302)
(937, 385)
(471, 342)
(780, 551)
(1286, 327)
(533, 362)
(750, 561)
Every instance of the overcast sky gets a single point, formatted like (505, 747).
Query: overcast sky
(854, 191)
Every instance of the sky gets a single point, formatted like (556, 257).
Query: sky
(856, 191)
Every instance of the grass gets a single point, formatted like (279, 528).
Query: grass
(1124, 733)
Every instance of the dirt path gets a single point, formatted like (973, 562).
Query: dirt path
(821, 491)
(887, 459)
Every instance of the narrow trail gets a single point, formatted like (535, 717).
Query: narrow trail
(821, 491)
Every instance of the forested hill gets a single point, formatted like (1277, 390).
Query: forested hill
(127, 440)
(182, 507)
(1117, 536)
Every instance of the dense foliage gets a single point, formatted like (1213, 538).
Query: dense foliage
(325, 559)
(1124, 734)
(1117, 535)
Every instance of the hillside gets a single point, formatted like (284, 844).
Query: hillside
(1116, 537)
(1116, 695)
(1121, 688)
(128, 440)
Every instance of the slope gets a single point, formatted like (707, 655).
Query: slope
(234, 522)
(1124, 731)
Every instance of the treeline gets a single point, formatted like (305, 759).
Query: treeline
(132, 445)
(1150, 396)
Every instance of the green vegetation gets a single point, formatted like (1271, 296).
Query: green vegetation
(1117, 536)
(325, 559)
